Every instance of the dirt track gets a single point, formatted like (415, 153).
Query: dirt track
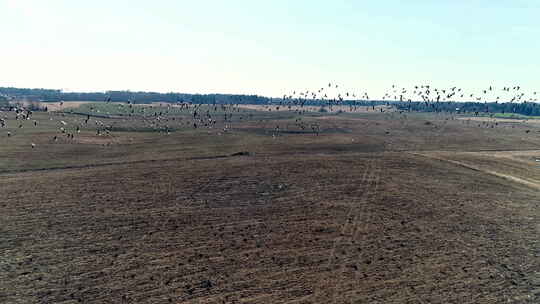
(533, 183)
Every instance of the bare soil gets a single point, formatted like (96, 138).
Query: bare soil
(374, 208)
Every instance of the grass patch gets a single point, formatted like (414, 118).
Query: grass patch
(514, 116)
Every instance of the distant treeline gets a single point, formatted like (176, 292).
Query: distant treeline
(3, 102)
(45, 95)
(479, 108)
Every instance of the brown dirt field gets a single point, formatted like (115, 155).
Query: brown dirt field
(502, 120)
(377, 208)
(100, 140)
(333, 109)
(501, 163)
(56, 106)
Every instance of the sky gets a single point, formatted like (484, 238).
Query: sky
(268, 47)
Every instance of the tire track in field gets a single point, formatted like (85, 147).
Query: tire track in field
(368, 173)
(366, 177)
(361, 217)
(361, 223)
(116, 164)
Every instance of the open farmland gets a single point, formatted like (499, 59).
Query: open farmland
(141, 206)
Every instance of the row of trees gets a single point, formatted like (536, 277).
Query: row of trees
(45, 95)
(524, 108)
(4, 102)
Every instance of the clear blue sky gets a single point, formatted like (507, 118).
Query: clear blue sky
(267, 47)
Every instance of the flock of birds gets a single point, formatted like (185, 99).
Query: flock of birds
(426, 93)
(162, 119)
(165, 118)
